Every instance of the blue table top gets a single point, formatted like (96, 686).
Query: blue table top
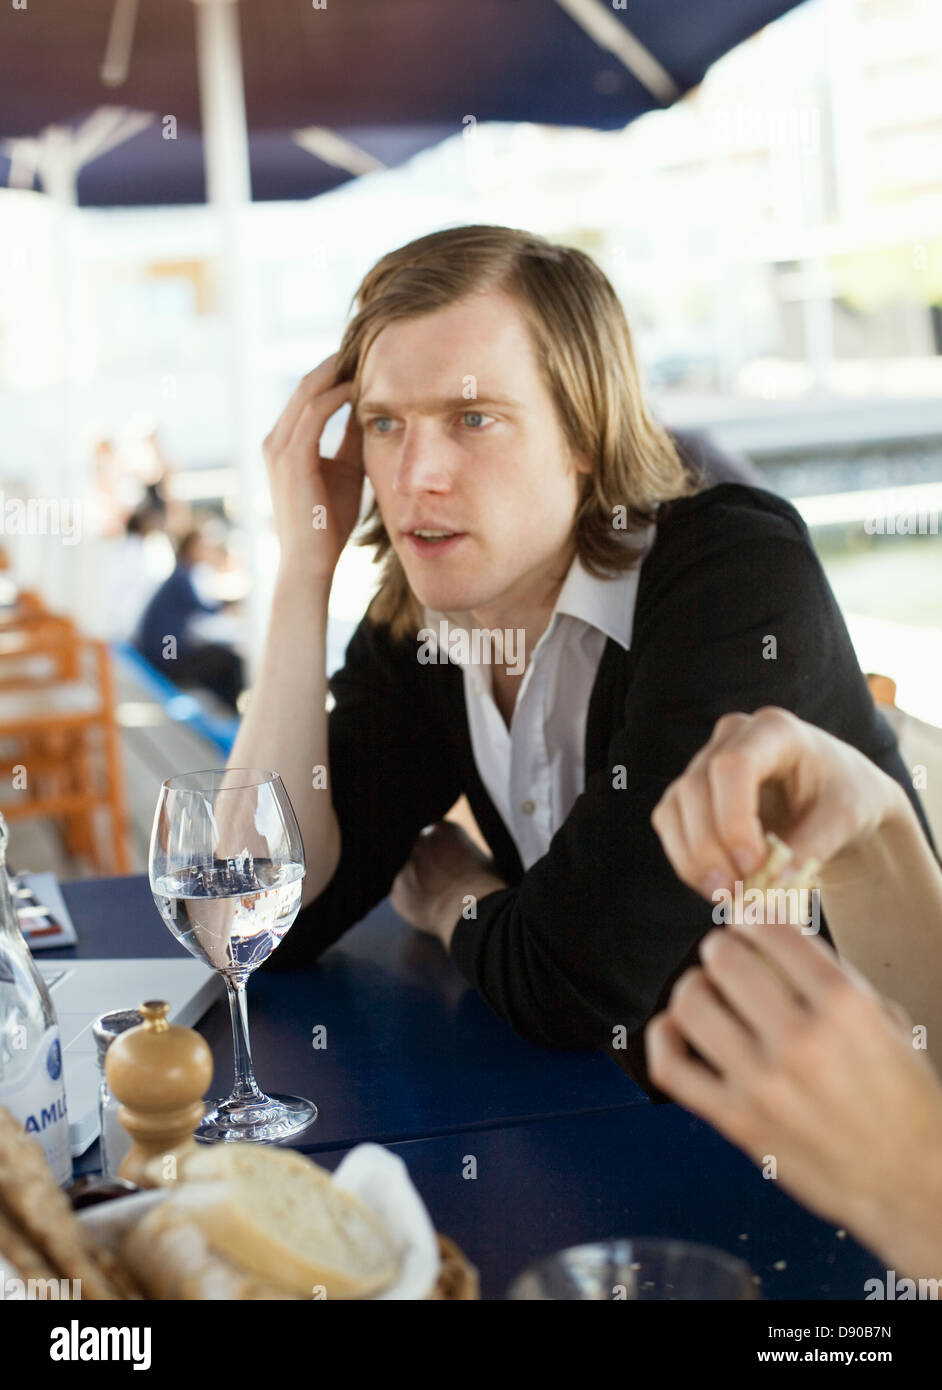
(641, 1170)
(412, 1051)
(567, 1148)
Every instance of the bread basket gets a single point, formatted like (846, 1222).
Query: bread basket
(457, 1278)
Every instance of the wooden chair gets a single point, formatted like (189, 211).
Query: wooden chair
(28, 607)
(883, 690)
(57, 723)
(44, 646)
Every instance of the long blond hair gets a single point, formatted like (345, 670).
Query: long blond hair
(584, 349)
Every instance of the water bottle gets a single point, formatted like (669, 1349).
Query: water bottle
(32, 1085)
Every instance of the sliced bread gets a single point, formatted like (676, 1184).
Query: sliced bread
(171, 1258)
(279, 1216)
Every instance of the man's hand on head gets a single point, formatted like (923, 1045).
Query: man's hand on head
(444, 871)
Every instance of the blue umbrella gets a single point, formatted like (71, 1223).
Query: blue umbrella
(381, 79)
(110, 102)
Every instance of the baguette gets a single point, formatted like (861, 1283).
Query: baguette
(26, 1261)
(33, 1205)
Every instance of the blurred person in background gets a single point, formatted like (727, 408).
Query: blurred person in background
(126, 552)
(785, 1049)
(168, 634)
(112, 503)
(134, 566)
(158, 473)
(137, 523)
(137, 475)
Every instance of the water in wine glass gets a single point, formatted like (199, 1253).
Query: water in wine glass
(226, 867)
(231, 913)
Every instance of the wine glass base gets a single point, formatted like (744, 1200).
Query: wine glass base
(263, 1121)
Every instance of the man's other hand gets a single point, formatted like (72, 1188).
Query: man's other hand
(444, 877)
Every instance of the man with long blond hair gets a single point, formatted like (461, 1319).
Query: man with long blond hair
(564, 612)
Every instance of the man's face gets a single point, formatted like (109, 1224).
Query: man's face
(461, 436)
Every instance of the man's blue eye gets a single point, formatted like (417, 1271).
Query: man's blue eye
(381, 420)
(470, 416)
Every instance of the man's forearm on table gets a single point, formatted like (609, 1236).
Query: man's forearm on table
(538, 990)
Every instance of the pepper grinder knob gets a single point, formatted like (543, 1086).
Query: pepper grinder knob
(160, 1072)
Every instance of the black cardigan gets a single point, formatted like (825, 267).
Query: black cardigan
(595, 933)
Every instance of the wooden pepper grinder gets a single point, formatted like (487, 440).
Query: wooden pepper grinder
(159, 1071)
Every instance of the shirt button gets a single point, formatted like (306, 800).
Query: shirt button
(528, 807)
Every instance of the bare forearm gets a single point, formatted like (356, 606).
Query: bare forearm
(883, 902)
(904, 1226)
(285, 723)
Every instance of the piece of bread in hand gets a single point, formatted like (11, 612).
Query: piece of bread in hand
(777, 870)
(778, 874)
(275, 1217)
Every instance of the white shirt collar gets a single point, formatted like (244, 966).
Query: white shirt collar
(605, 604)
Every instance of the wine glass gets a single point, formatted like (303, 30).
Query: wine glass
(226, 864)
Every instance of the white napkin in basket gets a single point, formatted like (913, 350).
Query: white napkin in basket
(381, 1181)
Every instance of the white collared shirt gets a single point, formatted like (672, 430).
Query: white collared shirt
(535, 770)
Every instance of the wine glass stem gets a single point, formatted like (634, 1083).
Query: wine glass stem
(245, 1087)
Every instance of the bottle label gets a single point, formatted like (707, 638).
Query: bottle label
(37, 1100)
